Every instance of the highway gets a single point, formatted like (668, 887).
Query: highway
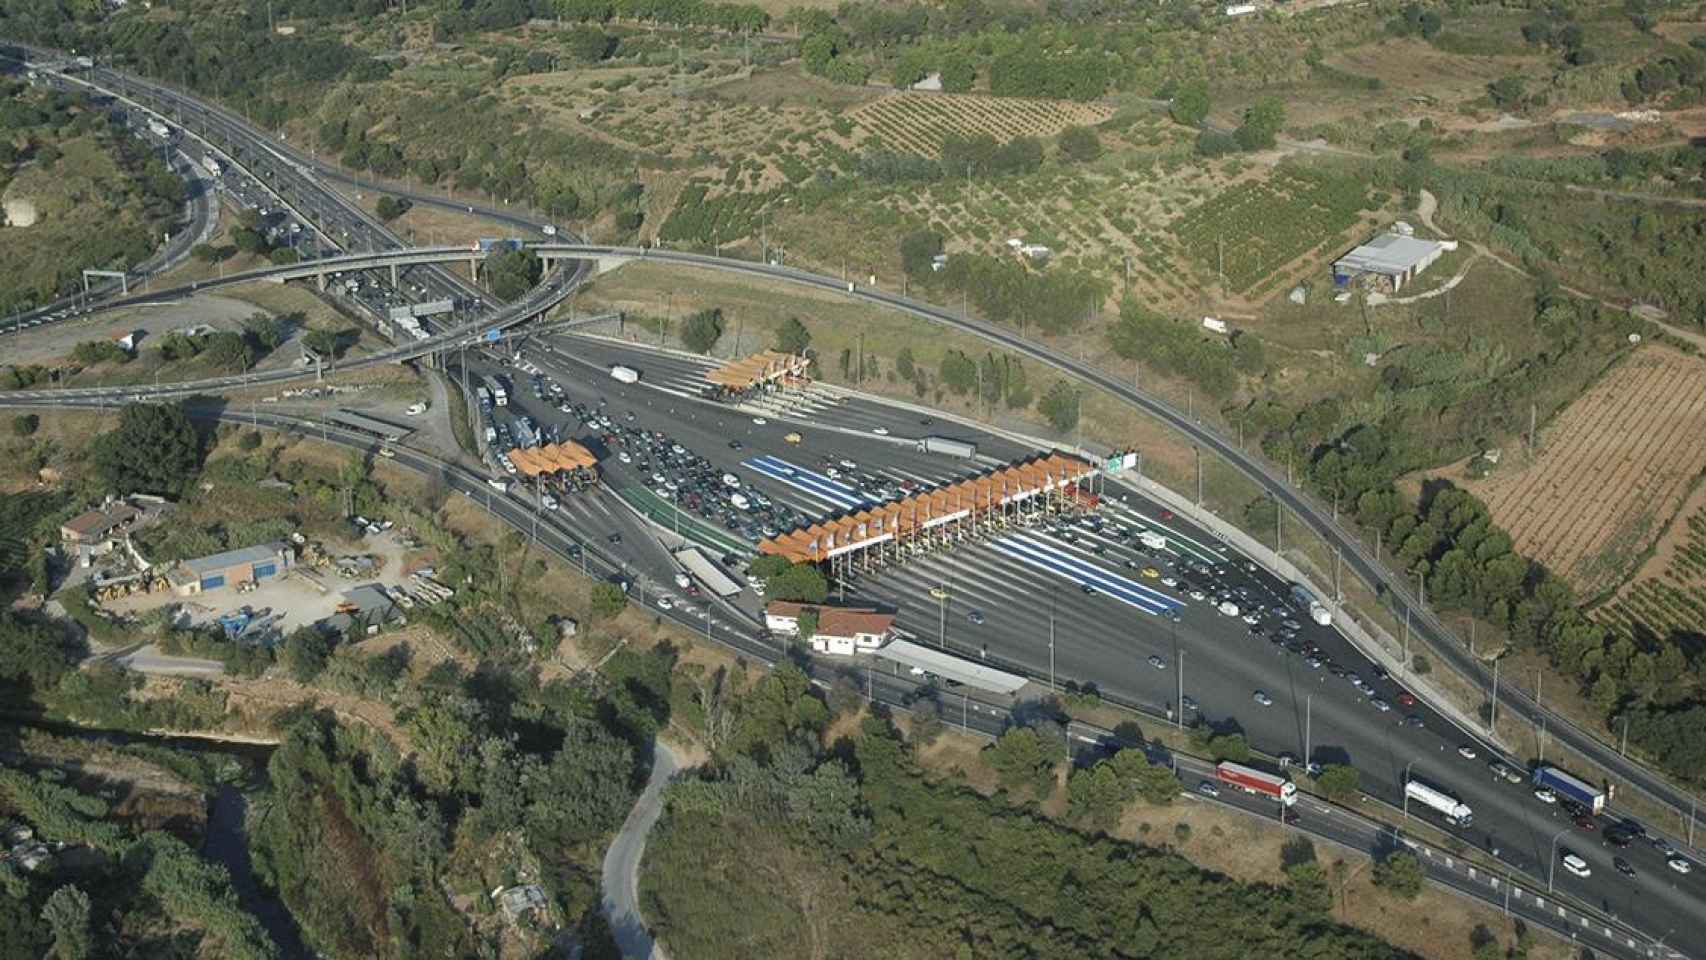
(1335, 717)
(978, 714)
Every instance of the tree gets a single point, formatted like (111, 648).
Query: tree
(31, 653)
(1506, 92)
(958, 72)
(1400, 874)
(584, 792)
(808, 624)
(1190, 104)
(918, 251)
(67, 914)
(1096, 795)
(513, 273)
(1155, 784)
(305, 654)
(268, 332)
(801, 582)
(1262, 122)
(329, 343)
(1339, 781)
(608, 600)
(1061, 405)
(1080, 144)
(25, 424)
(903, 363)
(958, 372)
(390, 208)
(1019, 760)
(792, 336)
(702, 330)
(155, 449)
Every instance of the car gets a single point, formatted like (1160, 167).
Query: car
(1263, 699)
(1188, 703)
(625, 457)
(939, 593)
(880, 431)
(1157, 663)
(760, 421)
(665, 603)
(1380, 705)
(1169, 581)
(1415, 721)
(1505, 773)
(1197, 595)
(1575, 864)
(1618, 837)
(735, 444)
(1208, 788)
(1312, 663)
(1587, 823)
(848, 464)
(1623, 866)
(1088, 590)
(1466, 752)
(1151, 573)
(1545, 795)
(1408, 699)
(976, 616)
(1680, 865)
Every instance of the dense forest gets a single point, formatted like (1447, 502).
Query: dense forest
(853, 852)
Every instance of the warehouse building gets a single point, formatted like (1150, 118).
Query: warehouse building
(1391, 260)
(233, 567)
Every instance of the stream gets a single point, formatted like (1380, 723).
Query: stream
(225, 841)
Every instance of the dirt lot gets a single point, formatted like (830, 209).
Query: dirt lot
(303, 596)
(1611, 470)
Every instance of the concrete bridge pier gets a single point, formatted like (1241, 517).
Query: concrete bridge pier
(393, 276)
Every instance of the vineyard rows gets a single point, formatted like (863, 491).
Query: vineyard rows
(1670, 604)
(918, 122)
(1626, 448)
(1254, 228)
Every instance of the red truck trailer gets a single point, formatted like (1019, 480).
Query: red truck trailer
(1251, 780)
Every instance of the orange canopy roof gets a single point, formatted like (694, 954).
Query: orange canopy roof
(552, 457)
(749, 371)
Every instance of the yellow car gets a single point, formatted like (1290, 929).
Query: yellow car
(793, 438)
(938, 593)
(1151, 572)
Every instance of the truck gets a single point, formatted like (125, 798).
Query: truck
(485, 397)
(1305, 601)
(623, 374)
(158, 129)
(1572, 787)
(1455, 811)
(500, 396)
(953, 448)
(1152, 540)
(496, 244)
(210, 164)
(1253, 781)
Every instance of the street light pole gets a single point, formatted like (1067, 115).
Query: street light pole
(1308, 717)
(1051, 686)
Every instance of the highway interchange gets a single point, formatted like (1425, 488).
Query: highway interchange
(1097, 637)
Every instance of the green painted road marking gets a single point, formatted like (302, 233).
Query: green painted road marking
(667, 514)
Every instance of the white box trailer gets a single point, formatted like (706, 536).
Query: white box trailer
(623, 374)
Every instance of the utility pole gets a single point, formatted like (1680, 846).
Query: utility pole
(1179, 715)
(1493, 714)
(1051, 600)
(1198, 451)
(1308, 717)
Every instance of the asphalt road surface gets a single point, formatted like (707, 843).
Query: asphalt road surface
(621, 872)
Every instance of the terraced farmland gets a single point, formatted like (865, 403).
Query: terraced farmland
(1612, 471)
(918, 122)
(1673, 602)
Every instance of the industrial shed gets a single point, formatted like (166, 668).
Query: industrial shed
(1391, 258)
(260, 562)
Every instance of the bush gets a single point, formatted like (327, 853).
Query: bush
(702, 330)
(1080, 144)
(1400, 874)
(25, 424)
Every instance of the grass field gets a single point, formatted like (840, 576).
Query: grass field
(1610, 472)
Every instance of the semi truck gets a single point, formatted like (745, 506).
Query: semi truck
(1253, 781)
(1455, 812)
(953, 448)
(623, 374)
(500, 396)
(210, 164)
(1307, 603)
(1572, 787)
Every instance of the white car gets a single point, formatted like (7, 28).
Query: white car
(1466, 752)
(625, 457)
(547, 501)
(1545, 795)
(416, 409)
(1169, 581)
(1680, 865)
(665, 603)
(1380, 705)
(1576, 865)
(760, 421)
(1263, 699)
(880, 431)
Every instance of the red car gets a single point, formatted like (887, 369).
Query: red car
(1406, 698)
(1166, 514)
(1586, 823)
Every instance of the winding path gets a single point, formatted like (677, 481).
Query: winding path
(622, 863)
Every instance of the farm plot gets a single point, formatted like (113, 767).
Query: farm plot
(918, 122)
(1667, 597)
(1249, 232)
(1613, 470)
